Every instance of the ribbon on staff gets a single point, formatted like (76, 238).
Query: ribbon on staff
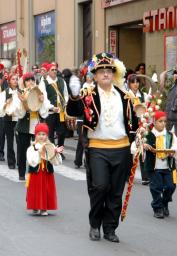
(130, 185)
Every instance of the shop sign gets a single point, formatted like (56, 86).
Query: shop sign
(45, 24)
(8, 32)
(109, 3)
(113, 42)
(161, 19)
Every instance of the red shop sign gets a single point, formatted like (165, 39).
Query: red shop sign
(113, 42)
(8, 32)
(109, 3)
(161, 19)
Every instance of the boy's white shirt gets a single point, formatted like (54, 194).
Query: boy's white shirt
(33, 156)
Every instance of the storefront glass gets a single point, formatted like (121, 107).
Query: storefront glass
(170, 51)
(45, 37)
(8, 42)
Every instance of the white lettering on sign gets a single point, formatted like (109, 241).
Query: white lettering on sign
(45, 21)
(9, 33)
(113, 42)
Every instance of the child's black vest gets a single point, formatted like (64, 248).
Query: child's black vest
(149, 163)
(142, 99)
(35, 169)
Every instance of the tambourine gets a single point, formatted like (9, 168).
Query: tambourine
(139, 109)
(32, 99)
(167, 151)
(48, 151)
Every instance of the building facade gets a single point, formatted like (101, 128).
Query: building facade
(142, 31)
(70, 31)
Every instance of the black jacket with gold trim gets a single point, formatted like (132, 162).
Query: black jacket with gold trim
(75, 107)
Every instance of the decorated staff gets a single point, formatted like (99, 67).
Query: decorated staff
(19, 66)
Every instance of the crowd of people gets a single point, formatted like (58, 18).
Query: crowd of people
(100, 97)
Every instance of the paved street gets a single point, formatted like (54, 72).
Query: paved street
(65, 232)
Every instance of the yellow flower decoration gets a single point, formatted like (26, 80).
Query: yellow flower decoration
(94, 58)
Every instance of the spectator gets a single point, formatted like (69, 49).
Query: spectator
(141, 69)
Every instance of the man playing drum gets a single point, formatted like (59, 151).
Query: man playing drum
(28, 120)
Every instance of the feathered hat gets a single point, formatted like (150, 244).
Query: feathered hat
(107, 60)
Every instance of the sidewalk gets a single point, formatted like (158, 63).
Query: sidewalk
(71, 143)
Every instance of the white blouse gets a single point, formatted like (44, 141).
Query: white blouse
(14, 106)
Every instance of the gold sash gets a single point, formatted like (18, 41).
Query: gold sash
(97, 143)
(160, 144)
(34, 115)
(62, 113)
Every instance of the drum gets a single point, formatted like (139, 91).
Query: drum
(71, 122)
(32, 99)
(48, 151)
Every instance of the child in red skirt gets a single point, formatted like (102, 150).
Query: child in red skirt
(41, 190)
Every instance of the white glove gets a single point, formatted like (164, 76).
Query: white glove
(75, 85)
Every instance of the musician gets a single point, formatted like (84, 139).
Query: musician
(41, 190)
(9, 97)
(27, 121)
(3, 86)
(55, 89)
(108, 119)
(43, 70)
(160, 165)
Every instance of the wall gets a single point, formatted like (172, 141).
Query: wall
(130, 47)
(65, 33)
(7, 14)
(98, 27)
(154, 42)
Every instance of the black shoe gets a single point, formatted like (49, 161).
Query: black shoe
(77, 166)
(62, 156)
(159, 213)
(21, 178)
(11, 166)
(94, 234)
(2, 158)
(166, 211)
(112, 237)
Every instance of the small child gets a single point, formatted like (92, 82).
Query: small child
(160, 165)
(41, 191)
